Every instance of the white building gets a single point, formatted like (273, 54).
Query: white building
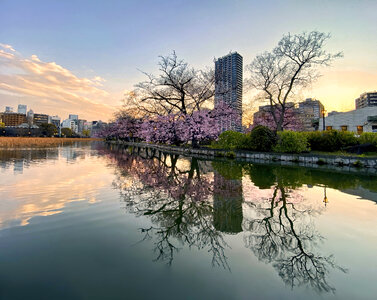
(71, 124)
(22, 109)
(359, 120)
(55, 120)
(8, 109)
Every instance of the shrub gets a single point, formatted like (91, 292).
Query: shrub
(230, 140)
(291, 142)
(261, 138)
(368, 138)
(330, 141)
(357, 164)
(230, 154)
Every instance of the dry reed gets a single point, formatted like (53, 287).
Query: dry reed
(39, 142)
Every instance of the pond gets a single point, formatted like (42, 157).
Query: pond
(90, 221)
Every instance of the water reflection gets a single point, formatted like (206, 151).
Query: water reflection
(194, 203)
(171, 193)
(43, 183)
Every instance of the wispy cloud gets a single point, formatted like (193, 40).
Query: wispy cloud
(52, 86)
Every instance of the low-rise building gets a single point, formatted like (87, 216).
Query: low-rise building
(358, 120)
(12, 119)
(40, 119)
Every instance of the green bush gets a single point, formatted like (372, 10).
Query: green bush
(261, 138)
(368, 138)
(230, 140)
(330, 141)
(291, 142)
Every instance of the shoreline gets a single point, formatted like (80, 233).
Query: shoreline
(352, 163)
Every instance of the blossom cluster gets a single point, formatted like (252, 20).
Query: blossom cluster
(176, 129)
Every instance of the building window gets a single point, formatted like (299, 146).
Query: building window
(374, 128)
(328, 127)
(344, 127)
(360, 129)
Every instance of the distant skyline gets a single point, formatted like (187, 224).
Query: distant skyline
(68, 57)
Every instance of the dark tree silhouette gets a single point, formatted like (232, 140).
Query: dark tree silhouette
(291, 65)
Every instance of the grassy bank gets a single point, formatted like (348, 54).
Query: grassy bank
(38, 142)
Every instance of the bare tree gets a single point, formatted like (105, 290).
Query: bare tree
(290, 66)
(178, 88)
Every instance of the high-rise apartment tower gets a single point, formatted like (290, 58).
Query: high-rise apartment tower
(228, 87)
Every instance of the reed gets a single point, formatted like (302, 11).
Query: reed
(39, 142)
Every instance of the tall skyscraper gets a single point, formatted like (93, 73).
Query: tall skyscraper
(21, 109)
(228, 87)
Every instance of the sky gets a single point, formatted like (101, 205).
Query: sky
(79, 57)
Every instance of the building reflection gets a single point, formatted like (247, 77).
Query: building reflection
(21, 158)
(227, 203)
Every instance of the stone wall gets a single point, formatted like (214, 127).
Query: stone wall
(352, 163)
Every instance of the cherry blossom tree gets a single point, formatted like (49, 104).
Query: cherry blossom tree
(204, 124)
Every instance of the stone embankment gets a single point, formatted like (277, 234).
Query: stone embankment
(353, 163)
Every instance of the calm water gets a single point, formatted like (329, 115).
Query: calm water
(90, 222)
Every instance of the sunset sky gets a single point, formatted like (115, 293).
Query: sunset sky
(61, 57)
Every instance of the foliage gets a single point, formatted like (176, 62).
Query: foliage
(161, 129)
(2, 124)
(86, 132)
(48, 130)
(67, 132)
(291, 142)
(261, 138)
(230, 140)
(124, 127)
(368, 138)
(331, 140)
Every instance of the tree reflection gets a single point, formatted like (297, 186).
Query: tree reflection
(175, 196)
(282, 233)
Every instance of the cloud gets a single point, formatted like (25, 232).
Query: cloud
(47, 82)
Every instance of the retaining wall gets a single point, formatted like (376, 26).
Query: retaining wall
(307, 159)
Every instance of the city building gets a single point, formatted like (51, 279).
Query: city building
(22, 109)
(12, 119)
(55, 120)
(80, 125)
(71, 124)
(358, 120)
(264, 111)
(366, 100)
(97, 126)
(310, 111)
(73, 117)
(40, 119)
(8, 109)
(228, 87)
(30, 116)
